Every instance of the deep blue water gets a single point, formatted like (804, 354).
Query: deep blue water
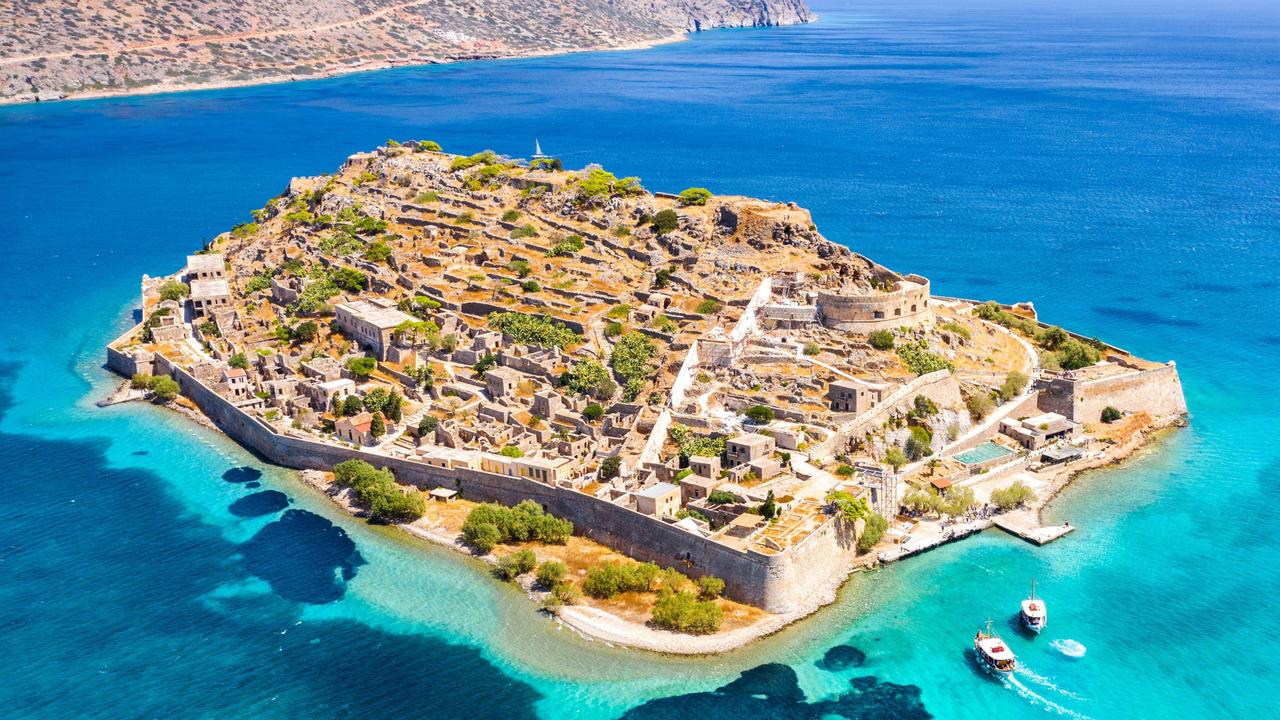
(1118, 165)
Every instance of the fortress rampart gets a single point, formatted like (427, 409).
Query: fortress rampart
(906, 305)
(775, 582)
(1157, 391)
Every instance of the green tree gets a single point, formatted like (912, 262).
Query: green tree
(239, 361)
(174, 290)
(1014, 383)
(721, 497)
(1052, 338)
(427, 425)
(593, 412)
(348, 279)
(1074, 355)
(665, 221)
(895, 458)
(759, 414)
(1014, 495)
(377, 252)
(633, 356)
(377, 427)
(351, 405)
(164, 389)
(511, 451)
(694, 196)
(1110, 414)
(979, 405)
(362, 367)
(484, 538)
(306, 331)
(609, 467)
(769, 508)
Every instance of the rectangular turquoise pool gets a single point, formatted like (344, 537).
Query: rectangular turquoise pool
(984, 453)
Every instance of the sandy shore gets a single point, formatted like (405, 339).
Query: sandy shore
(163, 88)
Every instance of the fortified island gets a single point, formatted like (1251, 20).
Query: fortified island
(699, 383)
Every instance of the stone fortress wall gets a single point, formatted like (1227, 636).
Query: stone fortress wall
(1157, 391)
(906, 305)
(775, 582)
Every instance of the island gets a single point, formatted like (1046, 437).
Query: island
(679, 420)
(56, 49)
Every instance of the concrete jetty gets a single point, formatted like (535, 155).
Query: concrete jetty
(1024, 524)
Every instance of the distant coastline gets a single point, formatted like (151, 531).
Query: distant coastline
(284, 78)
(251, 43)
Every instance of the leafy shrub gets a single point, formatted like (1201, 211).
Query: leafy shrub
(174, 290)
(812, 348)
(568, 246)
(1110, 414)
(531, 286)
(708, 306)
(540, 330)
(920, 360)
(511, 451)
(957, 329)
(524, 231)
(721, 497)
(665, 221)
(979, 405)
(516, 564)
(684, 612)
(551, 573)
(511, 215)
(632, 356)
(378, 491)
(1014, 383)
(881, 339)
(490, 524)
(710, 587)
(593, 412)
(759, 414)
(609, 579)
(586, 377)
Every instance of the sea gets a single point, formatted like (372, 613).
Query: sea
(1115, 163)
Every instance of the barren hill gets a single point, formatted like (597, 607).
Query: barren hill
(69, 48)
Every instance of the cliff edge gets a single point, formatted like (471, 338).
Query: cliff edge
(59, 48)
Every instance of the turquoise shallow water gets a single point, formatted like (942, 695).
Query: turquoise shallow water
(1118, 166)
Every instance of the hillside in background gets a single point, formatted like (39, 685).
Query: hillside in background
(68, 48)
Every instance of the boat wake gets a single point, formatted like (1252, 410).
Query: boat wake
(1044, 682)
(1036, 698)
(1070, 648)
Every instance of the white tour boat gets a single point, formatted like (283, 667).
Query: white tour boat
(1034, 613)
(993, 653)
